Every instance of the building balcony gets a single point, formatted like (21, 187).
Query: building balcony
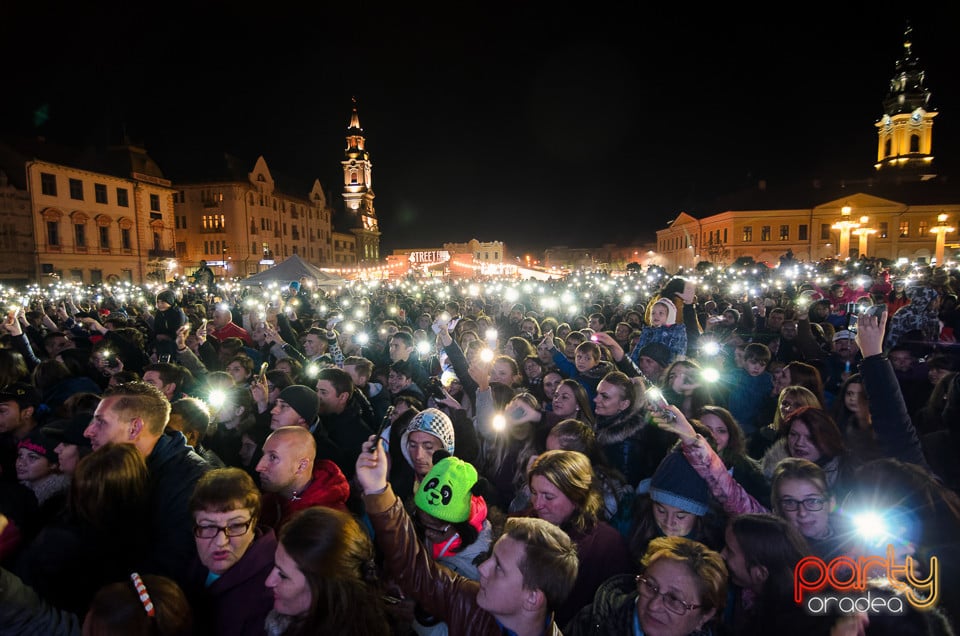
(161, 254)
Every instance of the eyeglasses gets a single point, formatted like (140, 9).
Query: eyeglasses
(813, 504)
(232, 530)
(648, 588)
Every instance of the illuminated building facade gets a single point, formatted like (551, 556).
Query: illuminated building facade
(94, 216)
(902, 210)
(246, 221)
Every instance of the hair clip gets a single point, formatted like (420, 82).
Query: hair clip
(142, 591)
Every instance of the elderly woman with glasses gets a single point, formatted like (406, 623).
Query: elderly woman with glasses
(234, 556)
(682, 589)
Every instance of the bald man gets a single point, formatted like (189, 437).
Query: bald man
(292, 478)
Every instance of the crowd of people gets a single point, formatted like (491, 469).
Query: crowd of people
(644, 454)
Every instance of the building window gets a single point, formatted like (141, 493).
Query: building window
(747, 233)
(48, 184)
(904, 229)
(922, 228)
(784, 232)
(123, 198)
(96, 276)
(76, 189)
(155, 202)
(824, 231)
(765, 233)
(125, 239)
(802, 232)
(105, 236)
(100, 192)
(53, 233)
(724, 235)
(884, 230)
(80, 235)
(213, 222)
(183, 222)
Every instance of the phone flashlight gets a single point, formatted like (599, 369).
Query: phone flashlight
(217, 398)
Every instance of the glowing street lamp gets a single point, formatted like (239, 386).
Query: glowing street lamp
(845, 224)
(941, 230)
(863, 232)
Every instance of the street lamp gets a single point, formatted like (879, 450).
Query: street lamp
(845, 224)
(863, 232)
(941, 230)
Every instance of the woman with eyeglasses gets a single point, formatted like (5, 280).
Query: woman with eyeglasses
(234, 555)
(799, 487)
(801, 496)
(682, 590)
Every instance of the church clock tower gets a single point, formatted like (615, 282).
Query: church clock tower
(905, 144)
(358, 193)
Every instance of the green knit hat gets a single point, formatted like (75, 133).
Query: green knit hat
(445, 492)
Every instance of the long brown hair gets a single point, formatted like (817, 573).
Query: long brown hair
(571, 473)
(336, 556)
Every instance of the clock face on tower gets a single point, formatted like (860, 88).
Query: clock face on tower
(916, 116)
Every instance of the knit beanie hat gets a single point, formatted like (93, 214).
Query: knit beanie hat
(301, 399)
(168, 297)
(445, 492)
(658, 352)
(432, 421)
(676, 484)
(42, 444)
(70, 431)
(671, 311)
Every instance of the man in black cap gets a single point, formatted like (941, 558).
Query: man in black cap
(296, 406)
(653, 358)
(19, 403)
(72, 446)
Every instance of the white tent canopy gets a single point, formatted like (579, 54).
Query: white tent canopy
(292, 269)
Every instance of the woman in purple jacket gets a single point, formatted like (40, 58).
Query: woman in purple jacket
(234, 556)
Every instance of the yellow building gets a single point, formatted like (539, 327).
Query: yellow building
(344, 250)
(904, 210)
(893, 230)
(95, 217)
(245, 222)
(16, 234)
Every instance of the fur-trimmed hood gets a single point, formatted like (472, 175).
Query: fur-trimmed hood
(620, 427)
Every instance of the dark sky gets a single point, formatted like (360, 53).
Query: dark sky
(524, 121)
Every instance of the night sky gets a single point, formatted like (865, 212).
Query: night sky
(523, 122)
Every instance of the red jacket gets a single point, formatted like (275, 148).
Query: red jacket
(232, 330)
(328, 488)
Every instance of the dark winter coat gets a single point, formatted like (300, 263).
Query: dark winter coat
(174, 471)
(237, 603)
(633, 446)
